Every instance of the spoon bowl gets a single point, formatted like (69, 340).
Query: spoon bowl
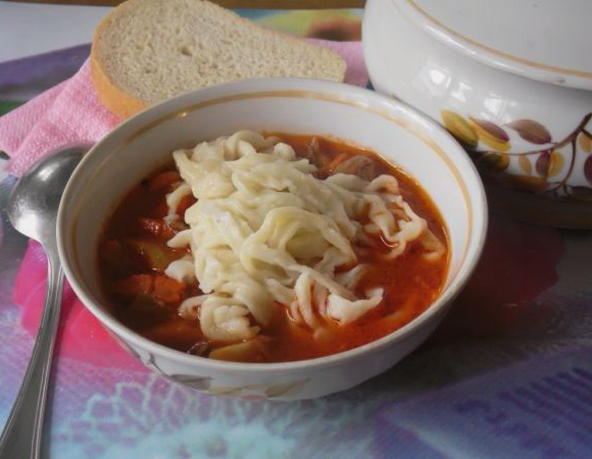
(34, 201)
(32, 210)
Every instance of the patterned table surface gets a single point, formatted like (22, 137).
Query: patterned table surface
(530, 300)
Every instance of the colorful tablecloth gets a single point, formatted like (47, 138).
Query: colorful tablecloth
(508, 374)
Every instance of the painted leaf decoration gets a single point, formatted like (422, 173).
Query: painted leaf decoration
(282, 389)
(490, 134)
(459, 128)
(524, 164)
(491, 128)
(223, 390)
(581, 193)
(531, 131)
(585, 142)
(588, 169)
(543, 163)
(496, 161)
(197, 382)
(557, 163)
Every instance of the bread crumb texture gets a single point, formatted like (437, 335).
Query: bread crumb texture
(152, 49)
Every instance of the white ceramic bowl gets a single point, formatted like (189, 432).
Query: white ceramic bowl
(525, 121)
(145, 141)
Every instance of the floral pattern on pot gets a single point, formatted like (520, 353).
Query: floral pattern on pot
(560, 169)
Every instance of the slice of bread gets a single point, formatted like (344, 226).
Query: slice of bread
(146, 51)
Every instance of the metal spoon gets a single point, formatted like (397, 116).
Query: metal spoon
(32, 210)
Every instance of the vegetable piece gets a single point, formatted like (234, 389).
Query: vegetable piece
(434, 248)
(157, 286)
(316, 152)
(175, 332)
(117, 258)
(157, 227)
(168, 290)
(335, 162)
(157, 255)
(164, 179)
(312, 152)
(134, 285)
(111, 252)
(145, 311)
(185, 203)
(362, 166)
(253, 350)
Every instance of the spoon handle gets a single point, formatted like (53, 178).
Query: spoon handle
(23, 432)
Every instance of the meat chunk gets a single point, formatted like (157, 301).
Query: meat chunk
(158, 286)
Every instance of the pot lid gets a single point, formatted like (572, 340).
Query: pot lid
(547, 40)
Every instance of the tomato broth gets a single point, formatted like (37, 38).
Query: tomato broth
(133, 255)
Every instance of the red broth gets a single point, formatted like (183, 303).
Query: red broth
(133, 255)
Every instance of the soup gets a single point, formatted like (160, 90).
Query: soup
(272, 249)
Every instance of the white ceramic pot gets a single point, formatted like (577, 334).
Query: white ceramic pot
(140, 144)
(511, 80)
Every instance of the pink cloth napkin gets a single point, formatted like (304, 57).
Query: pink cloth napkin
(71, 114)
(81, 336)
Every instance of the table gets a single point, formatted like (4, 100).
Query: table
(523, 323)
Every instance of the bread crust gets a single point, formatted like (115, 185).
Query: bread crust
(112, 97)
(116, 100)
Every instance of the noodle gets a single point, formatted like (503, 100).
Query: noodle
(265, 231)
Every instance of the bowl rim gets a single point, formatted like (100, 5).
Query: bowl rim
(491, 57)
(362, 98)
